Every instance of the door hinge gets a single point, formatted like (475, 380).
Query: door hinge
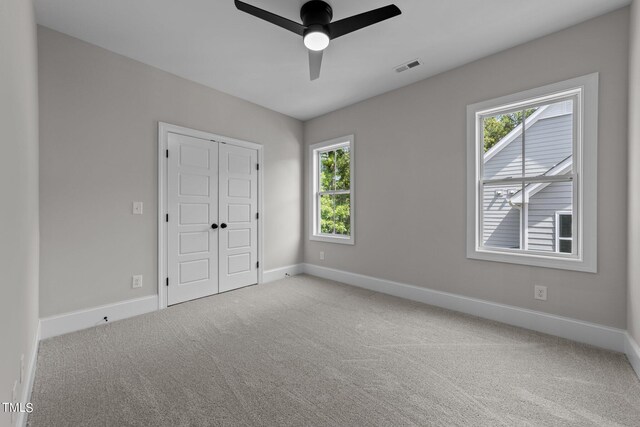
(167, 217)
(258, 264)
(257, 215)
(258, 166)
(167, 153)
(167, 281)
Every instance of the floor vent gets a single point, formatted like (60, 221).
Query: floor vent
(407, 65)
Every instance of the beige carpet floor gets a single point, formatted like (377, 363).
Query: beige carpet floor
(309, 352)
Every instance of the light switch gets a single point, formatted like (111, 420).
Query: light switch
(137, 208)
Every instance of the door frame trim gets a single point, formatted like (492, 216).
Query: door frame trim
(163, 136)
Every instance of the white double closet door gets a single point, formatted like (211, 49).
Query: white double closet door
(212, 240)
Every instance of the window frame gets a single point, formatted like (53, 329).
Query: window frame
(557, 230)
(314, 193)
(584, 176)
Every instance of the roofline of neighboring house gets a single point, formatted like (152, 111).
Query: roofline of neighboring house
(540, 113)
(511, 136)
(533, 189)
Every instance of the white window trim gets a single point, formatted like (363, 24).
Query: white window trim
(557, 230)
(585, 188)
(313, 190)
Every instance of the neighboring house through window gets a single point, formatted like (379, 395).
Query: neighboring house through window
(331, 166)
(532, 177)
(564, 232)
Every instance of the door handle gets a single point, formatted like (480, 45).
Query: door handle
(214, 226)
(223, 225)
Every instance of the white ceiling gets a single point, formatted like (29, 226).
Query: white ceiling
(212, 43)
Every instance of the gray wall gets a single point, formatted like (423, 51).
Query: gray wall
(410, 146)
(19, 192)
(633, 322)
(98, 116)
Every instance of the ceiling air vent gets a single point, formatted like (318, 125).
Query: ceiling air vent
(407, 65)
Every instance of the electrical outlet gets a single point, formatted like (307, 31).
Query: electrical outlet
(21, 368)
(137, 208)
(322, 255)
(540, 292)
(136, 281)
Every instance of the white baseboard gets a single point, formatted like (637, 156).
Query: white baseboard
(576, 330)
(83, 319)
(633, 353)
(280, 273)
(30, 375)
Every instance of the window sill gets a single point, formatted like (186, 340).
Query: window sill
(331, 239)
(557, 262)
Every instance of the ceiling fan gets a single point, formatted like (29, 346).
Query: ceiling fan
(317, 29)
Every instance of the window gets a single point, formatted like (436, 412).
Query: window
(331, 207)
(564, 232)
(531, 179)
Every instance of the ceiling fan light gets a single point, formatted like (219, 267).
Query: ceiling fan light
(316, 40)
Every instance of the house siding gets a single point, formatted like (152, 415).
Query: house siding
(542, 215)
(548, 142)
(501, 222)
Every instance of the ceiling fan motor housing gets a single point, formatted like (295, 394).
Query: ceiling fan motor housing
(316, 13)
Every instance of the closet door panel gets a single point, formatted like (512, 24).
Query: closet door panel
(192, 195)
(238, 183)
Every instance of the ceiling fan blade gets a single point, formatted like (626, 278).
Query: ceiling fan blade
(285, 23)
(357, 22)
(315, 62)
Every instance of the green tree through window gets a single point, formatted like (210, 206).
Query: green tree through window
(335, 187)
(497, 127)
